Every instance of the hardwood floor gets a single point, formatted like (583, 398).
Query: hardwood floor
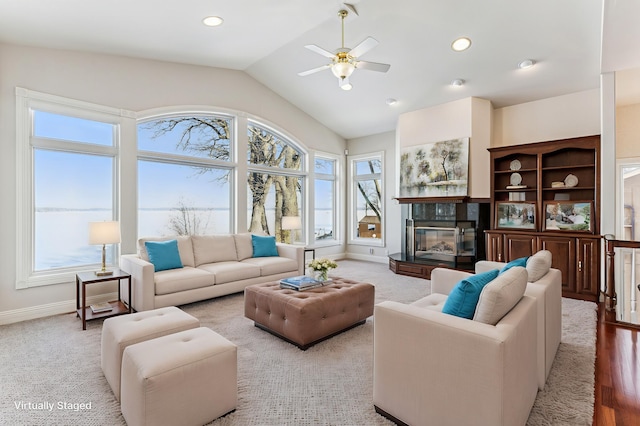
(617, 385)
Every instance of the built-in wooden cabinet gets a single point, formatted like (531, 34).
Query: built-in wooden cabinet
(531, 187)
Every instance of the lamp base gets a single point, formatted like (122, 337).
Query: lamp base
(103, 273)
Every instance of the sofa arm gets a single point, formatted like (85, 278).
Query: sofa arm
(488, 265)
(443, 280)
(294, 252)
(453, 371)
(143, 288)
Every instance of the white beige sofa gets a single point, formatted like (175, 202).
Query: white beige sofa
(431, 368)
(213, 265)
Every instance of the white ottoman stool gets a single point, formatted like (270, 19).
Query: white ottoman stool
(124, 330)
(187, 378)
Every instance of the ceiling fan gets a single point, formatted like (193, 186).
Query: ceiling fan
(344, 61)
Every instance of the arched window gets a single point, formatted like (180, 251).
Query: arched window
(276, 182)
(184, 175)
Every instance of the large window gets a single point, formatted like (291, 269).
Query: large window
(68, 158)
(325, 199)
(366, 199)
(184, 175)
(275, 183)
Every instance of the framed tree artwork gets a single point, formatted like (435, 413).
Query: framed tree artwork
(437, 169)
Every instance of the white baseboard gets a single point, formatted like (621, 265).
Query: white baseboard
(57, 308)
(367, 257)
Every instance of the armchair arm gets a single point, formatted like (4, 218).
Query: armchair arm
(143, 288)
(443, 280)
(452, 370)
(294, 252)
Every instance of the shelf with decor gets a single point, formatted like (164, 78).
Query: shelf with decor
(557, 208)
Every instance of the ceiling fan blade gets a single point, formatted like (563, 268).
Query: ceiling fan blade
(314, 70)
(373, 66)
(319, 50)
(364, 46)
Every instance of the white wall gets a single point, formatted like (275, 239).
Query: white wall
(469, 117)
(561, 117)
(131, 84)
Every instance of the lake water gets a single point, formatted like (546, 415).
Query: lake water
(62, 236)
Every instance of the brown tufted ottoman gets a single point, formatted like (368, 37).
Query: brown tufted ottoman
(305, 318)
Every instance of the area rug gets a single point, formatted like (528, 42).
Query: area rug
(50, 368)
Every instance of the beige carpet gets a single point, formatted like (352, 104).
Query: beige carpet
(52, 361)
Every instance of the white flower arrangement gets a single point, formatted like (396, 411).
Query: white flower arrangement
(322, 264)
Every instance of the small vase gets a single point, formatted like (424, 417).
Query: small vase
(321, 275)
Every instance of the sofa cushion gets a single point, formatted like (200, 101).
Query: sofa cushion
(516, 262)
(163, 254)
(184, 247)
(501, 295)
(463, 298)
(213, 248)
(538, 265)
(187, 278)
(273, 265)
(231, 271)
(264, 246)
(244, 246)
(433, 302)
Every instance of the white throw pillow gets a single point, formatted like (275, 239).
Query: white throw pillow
(501, 295)
(538, 265)
(213, 248)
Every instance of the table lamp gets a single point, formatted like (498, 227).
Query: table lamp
(290, 223)
(104, 233)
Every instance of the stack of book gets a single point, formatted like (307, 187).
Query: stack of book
(101, 307)
(300, 283)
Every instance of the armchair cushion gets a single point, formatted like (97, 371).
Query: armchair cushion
(164, 254)
(464, 297)
(538, 265)
(501, 295)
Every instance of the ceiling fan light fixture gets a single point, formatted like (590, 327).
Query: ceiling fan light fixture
(344, 84)
(460, 44)
(213, 21)
(342, 69)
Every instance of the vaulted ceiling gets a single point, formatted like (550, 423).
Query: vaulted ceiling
(266, 39)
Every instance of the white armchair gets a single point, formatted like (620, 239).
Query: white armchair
(432, 368)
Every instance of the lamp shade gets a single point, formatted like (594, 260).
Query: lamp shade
(291, 222)
(107, 232)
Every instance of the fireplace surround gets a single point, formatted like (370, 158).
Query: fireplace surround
(447, 232)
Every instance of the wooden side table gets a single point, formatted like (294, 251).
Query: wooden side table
(118, 307)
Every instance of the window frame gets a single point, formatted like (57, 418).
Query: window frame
(186, 160)
(303, 173)
(27, 143)
(353, 214)
(336, 178)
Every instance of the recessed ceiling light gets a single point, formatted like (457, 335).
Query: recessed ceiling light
(212, 21)
(461, 44)
(391, 101)
(457, 82)
(527, 63)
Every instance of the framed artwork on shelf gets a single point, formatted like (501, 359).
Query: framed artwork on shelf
(515, 215)
(574, 216)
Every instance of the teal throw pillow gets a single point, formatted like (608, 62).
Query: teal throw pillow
(463, 299)
(264, 246)
(164, 254)
(516, 262)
